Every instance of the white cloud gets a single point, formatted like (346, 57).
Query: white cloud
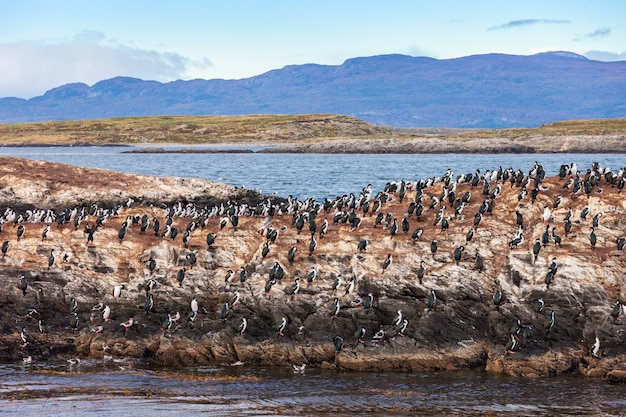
(30, 68)
(605, 56)
(523, 23)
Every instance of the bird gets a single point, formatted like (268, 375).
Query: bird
(536, 249)
(336, 308)
(117, 290)
(242, 327)
(243, 275)
(229, 275)
(25, 337)
(210, 240)
(73, 305)
(350, 286)
(417, 233)
(20, 231)
(362, 246)
(379, 335)
(106, 313)
(553, 266)
(299, 369)
(538, 305)
(265, 250)
(128, 324)
(547, 214)
(268, 285)
(593, 238)
(359, 335)
(549, 278)
(549, 322)
(511, 344)
(479, 263)
(556, 238)
(51, 258)
(74, 322)
(620, 242)
(224, 312)
(191, 257)
(312, 244)
(469, 235)
(596, 348)
(403, 327)
(387, 262)
(421, 271)
(233, 303)
(291, 254)
(281, 326)
(616, 311)
(150, 285)
(44, 233)
(147, 307)
(336, 283)
(338, 343)
(311, 275)
(432, 300)
(97, 330)
(5, 248)
(122, 232)
(497, 298)
(295, 287)
(433, 247)
(180, 276)
(369, 301)
(23, 284)
(398, 319)
(458, 251)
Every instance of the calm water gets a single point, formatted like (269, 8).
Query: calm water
(303, 175)
(127, 388)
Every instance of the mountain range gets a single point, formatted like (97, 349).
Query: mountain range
(478, 91)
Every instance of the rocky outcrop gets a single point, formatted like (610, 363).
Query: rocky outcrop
(464, 329)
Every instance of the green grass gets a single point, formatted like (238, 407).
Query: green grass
(264, 128)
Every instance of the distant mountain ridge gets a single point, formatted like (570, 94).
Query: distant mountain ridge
(481, 91)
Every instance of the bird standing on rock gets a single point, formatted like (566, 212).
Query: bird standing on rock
(387, 262)
(281, 326)
(23, 284)
(616, 311)
(431, 301)
(458, 251)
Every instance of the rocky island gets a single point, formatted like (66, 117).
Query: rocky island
(504, 270)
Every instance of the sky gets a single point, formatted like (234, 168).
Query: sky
(45, 44)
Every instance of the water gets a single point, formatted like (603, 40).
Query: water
(128, 388)
(303, 175)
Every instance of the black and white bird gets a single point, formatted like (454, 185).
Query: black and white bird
(595, 349)
(398, 319)
(23, 284)
(616, 311)
(387, 262)
(51, 258)
(25, 337)
(243, 326)
(421, 271)
(431, 301)
(281, 326)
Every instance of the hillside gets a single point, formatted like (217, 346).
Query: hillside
(318, 133)
(480, 91)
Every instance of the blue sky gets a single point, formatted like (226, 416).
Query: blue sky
(45, 44)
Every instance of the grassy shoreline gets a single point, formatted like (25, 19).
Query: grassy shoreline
(316, 133)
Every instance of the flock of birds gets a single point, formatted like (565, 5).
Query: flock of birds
(439, 196)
